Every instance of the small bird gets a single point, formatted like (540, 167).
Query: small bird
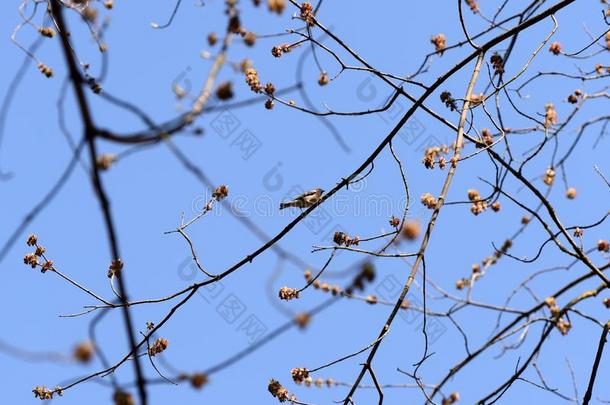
(304, 200)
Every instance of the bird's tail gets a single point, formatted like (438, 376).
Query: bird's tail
(285, 205)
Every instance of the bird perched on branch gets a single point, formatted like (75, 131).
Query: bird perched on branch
(304, 200)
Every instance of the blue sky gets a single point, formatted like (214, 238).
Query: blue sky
(149, 189)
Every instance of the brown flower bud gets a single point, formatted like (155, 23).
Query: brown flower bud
(299, 374)
(302, 319)
(83, 352)
(32, 240)
(212, 38)
(276, 6)
(221, 192)
(287, 293)
(323, 80)
(115, 268)
(555, 48)
(198, 380)
(158, 347)
(250, 38)
(224, 91)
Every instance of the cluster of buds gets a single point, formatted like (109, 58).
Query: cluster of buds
(551, 303)
(448, 100)
(433, 154)
(497, 62)
(411, 230)
(114, 270)
(549, 176)
(83, 352)
(123, 398)
(555, 48)
(278, 391)
(607, 36)
(224, 91)
(253, 80)
(603, 246)
(440, 42)
(573, 98)
(47, 32)
(394, 222)
(269, 89)
(606, 302)
(496, 206)
(34, 259)
(41, 392)
(550, 115)
(307, 13)
(571, 193)
(579, 232)
(32, 240)
(302, 319)
(343, 239)
(478, 204)
(561, 324)
(487, 139)
(276, 6)
(287, 293)
(31, 260)
(323, 80)
(429, 200)
(109, 4)
(462, 283)
(451, 399)
(525, 220)
(279, 50)
(45, 70)
(158, 347)
(198, 380)
(299, 375)
(106, 160)
(221, 192)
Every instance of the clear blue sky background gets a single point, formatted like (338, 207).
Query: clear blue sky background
(149, 190)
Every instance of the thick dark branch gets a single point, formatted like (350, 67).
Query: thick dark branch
(76, 78)
(598, 357)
